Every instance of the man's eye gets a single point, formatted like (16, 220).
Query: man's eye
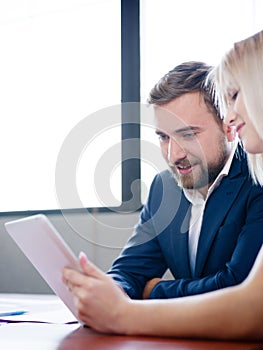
(189, 135)
(163, 137)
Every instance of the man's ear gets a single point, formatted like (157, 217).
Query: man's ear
(230, 132)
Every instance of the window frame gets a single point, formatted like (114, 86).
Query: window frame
(130, 93)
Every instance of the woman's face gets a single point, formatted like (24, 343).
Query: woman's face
(237, 116)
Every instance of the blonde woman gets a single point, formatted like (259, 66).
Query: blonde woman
(231, 313)
(240, 81)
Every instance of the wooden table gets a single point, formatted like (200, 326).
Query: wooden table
(45, 329)
(40, 336)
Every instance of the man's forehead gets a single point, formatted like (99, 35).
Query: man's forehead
(188, 118)
(166, 119)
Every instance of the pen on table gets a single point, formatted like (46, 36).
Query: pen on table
(13, 313)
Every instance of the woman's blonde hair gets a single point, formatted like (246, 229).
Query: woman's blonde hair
(241, 69)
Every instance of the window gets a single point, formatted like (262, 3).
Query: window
(60, 68)
(66, 65)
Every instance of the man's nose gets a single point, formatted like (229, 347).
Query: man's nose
(175, 151)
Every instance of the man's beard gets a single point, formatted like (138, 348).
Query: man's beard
(208, 172)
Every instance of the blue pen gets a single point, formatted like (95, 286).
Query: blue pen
(13, 313)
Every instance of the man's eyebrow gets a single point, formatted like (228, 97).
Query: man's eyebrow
(178, 131)
(187, 128)
(159, 132)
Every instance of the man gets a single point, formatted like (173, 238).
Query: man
(203, 219)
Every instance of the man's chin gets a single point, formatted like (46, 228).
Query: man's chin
(182, 183)
(187, 184)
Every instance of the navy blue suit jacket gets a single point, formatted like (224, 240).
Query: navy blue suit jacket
(231, 236)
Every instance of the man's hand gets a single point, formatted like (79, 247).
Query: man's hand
(149, 287)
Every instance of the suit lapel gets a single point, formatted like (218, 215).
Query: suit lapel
(217, 208)
(179, 240)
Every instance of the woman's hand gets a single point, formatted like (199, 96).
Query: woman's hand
(100, 303)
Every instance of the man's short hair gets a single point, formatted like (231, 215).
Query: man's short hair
(192, 76)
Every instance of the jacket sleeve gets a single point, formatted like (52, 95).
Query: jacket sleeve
(136, 265)
(142, 258)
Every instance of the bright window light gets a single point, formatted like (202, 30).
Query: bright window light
(59, 64)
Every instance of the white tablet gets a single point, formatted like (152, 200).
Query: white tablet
(47, 251)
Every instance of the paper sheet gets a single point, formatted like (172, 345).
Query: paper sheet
(40, 308)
